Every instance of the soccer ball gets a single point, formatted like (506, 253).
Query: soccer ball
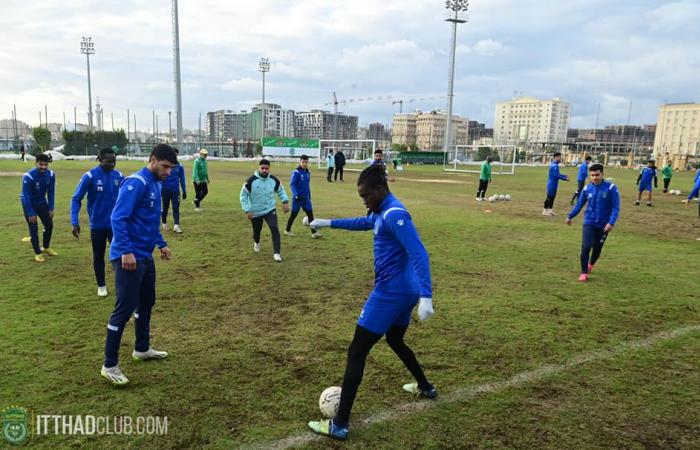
(501, 197)
(508, 197)
(493, 198)
(305, 221)
(329, 401)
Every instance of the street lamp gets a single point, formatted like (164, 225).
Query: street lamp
(87, 48)
(264, 67)
(456, 6)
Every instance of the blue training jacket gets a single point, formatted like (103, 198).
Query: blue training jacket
(176, 180)
(300, 183)
(603, 204)
(646, 176)
(136, 217)
(554, 177)
(101, 188)
(582, 172)
(696, 189)
(37, 186)
(401, 264)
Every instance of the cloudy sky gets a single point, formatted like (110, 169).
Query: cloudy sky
(586, 52)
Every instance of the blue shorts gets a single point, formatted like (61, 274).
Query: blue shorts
(303, 203)
(382, 310)
(645, 187)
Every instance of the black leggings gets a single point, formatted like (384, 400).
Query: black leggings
(549, 201)
(293, 216)
(667, 181)
(483, 185)
(271, 219)
(361, 344)
(200, 191)
(338, 170)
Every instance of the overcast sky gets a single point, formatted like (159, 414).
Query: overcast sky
(586, 52)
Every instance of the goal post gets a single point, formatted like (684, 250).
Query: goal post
(468, 158)
(355, 150)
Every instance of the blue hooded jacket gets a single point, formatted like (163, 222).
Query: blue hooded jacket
(136, 217)
(102, 188)
(401, 264)
(554, 177)
(300, 183)
(37, 186)
(603, 204)
(176, 180)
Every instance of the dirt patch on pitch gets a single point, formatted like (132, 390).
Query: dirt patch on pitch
(11, 174)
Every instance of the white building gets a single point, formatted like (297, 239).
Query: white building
(527, 119)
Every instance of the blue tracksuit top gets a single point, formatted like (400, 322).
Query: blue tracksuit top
(696, 189)
(697, 175)
(101, 188)
(330, 160)
(37, 186)
(603, 204)
(582, 172)
(646, 176)
(258, 194)
(401, 264)
(176, 180)
(300, 183)
(554, 177)
(136, 217)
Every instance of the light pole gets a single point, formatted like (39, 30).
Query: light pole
(456, 6)
(264, 67)
(87, 48)
(176, 70)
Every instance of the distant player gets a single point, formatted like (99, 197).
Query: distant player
(694, 193)
(101, 184)
(553, 184)
(581, 177)
(646, 175)
(667, 173)
(258, 202)
(484, 179)
(378, 158)
(200, 179)
(171, 193)
(136, 227)
(402, 280)
(603, 206)
(300, 184)
(339, 165)
(37, 198)
(330, 162)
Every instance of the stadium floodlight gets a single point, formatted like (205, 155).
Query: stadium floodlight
(87, 48)
(264, 67)
(456, 6)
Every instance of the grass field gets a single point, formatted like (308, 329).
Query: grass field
(254, 342)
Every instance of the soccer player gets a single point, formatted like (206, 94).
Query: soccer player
(339, 165)
(200, 178)
(402, 280)
(603, 206)
(553, 185)
(484, 179)
(258, 203)
(330, 161)
(667, 172)
(301, 196)
(136, 227)
(378, 158)
(694, 193)
(581, 177)
(101, 184)
(37, 198)
(171, 193)
(644, 182)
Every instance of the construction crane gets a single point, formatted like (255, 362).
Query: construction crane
(411, 100)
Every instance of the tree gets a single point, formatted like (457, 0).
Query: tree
(42, 136)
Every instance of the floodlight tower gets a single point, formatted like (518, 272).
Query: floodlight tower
(176, 70)
(264, 67)
(87, 48)
(457, 7)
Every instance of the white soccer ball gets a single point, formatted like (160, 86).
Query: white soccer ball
(508, 197)
(305, 221)
(678, 192)
(493, 198)
(501, 197)
(329, 401)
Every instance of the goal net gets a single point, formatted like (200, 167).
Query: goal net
(355, 150)
(468, 158)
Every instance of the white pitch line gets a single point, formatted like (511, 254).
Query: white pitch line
(485, 388)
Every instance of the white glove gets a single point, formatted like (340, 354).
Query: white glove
(317, 223)
(425, 308)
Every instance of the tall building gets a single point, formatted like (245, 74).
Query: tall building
(403, 129)
(678, 133)
(227, 125)
(376, 131)
(317, 124)
(430, 130)
(278, 121)
(478, 131)
(527, 119)
(8, 130)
